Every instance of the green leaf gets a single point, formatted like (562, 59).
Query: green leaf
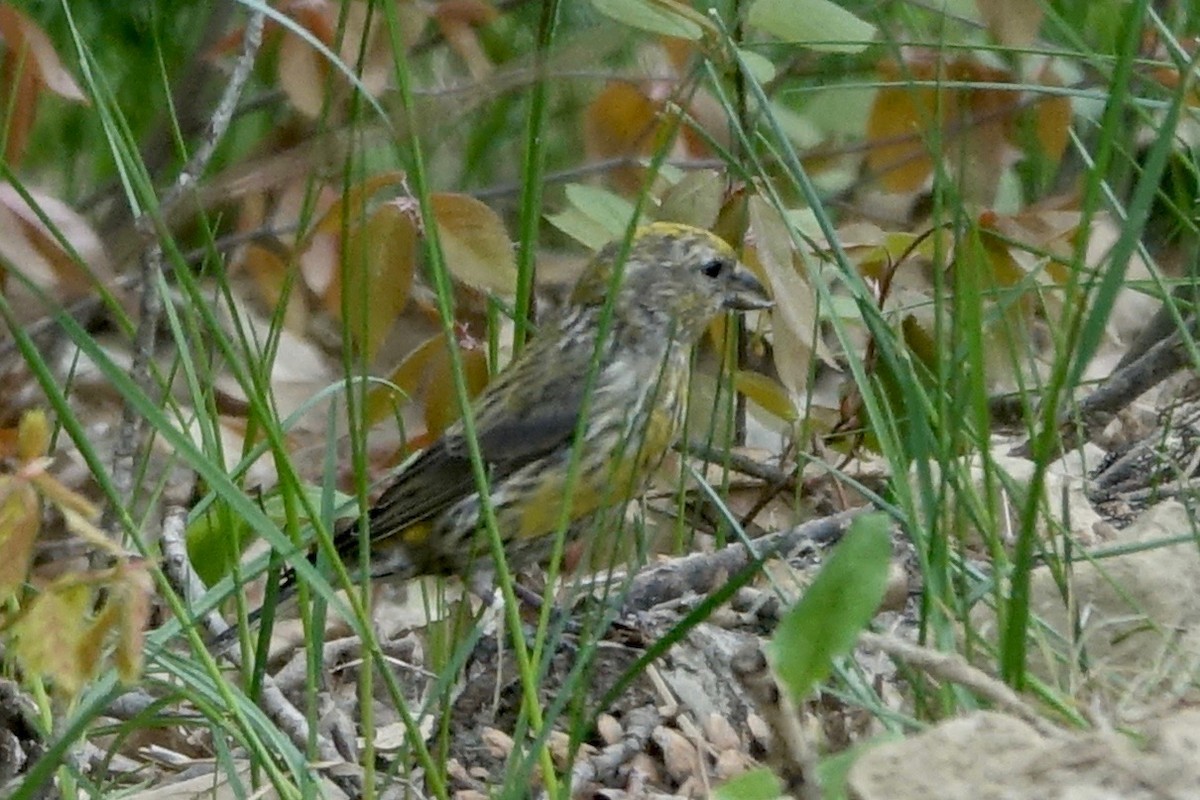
(662, 17)
(217, 540)
(757, 65)
(841, 601)
(595, 217)
(818, 24)
(758, 784)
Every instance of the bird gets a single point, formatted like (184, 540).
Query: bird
(674, 281)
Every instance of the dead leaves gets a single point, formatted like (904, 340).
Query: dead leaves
(29, 67)
(961, 110)
(57, 632)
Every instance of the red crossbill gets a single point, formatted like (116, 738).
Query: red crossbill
(674, 281)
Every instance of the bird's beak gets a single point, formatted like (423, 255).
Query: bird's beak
(745, 293)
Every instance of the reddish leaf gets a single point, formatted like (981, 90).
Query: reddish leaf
(21, 32)
(441, 406)
(621, 121)
(29, 65)
(457, 20)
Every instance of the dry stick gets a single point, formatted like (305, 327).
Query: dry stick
(88, 311)
(1122, 387)
(791, 756)
(602, 767)
(131, 432)
(176, 563)
(953, 667)
(702, 572)
(178, 569)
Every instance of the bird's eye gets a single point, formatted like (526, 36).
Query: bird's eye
(714, 268)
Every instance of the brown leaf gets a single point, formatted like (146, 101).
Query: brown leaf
(441, 406)
(32, 247)
(896, 130)
(301, 72)
(621, 121)
(133, 592)
(380, 261)
(351, 205)
(1012, 23)
(1052, 118)
(21, 32)
(476, 245)
(972, 127)
(269, 272)
(793, 318)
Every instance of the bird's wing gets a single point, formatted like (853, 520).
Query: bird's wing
(527, 427)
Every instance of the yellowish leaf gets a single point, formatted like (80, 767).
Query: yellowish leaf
(48, 638)
(1052, 118)
(33, 435)
(20, 520)
(768, 393)
(695, 200)
(380, 262)
(794, 316)
(478, 250)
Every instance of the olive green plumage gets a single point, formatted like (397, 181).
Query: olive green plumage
(675, 280)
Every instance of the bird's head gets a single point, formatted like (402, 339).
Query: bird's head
(676, 277)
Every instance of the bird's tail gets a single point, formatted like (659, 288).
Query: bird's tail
(394, 563)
